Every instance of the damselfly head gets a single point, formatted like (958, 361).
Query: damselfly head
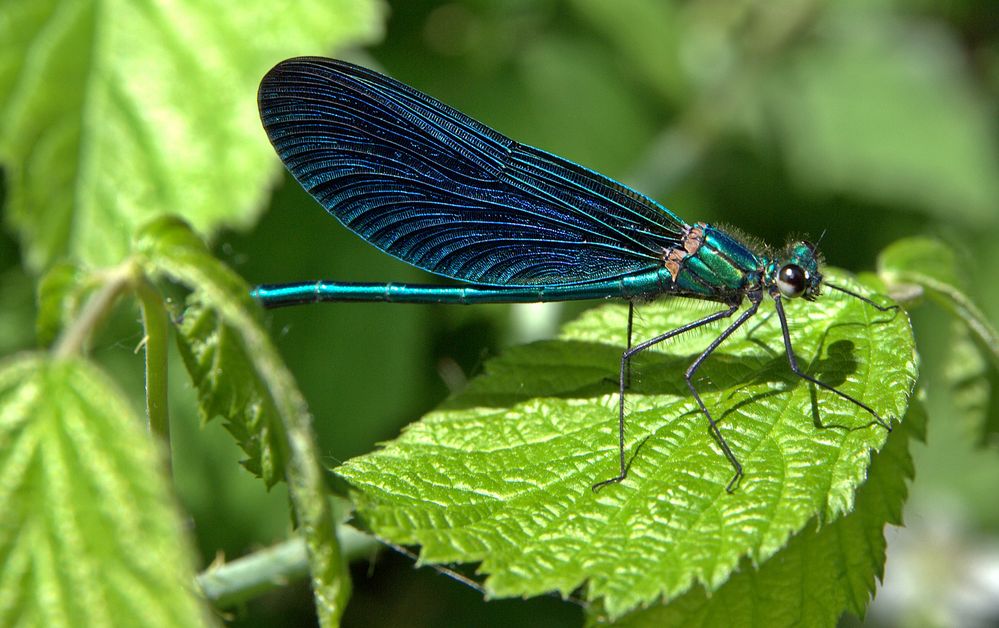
(798, 273)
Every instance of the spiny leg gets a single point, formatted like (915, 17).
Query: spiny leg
(793, 360)
(625, 363)
(689, 375)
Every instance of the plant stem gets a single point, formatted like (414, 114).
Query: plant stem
(73, 339)
(154, 319)
(236, 582)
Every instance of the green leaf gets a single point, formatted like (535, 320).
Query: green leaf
(225, 349)
(114, 112)
(223, 345)
(89, 534)
(824, 570)
(931, 265)
(239, 374)
(502, 473)
(884, 110)
(230, 387)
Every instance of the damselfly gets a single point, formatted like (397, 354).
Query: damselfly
(447, 194)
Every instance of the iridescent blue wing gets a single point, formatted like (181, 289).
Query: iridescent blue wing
(445, 193)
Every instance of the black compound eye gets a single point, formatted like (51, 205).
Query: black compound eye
(791, 281)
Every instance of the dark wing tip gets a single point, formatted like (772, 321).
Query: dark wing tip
(281, 73)
(299, 76)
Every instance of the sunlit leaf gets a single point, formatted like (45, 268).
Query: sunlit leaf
(502, 473)
(823, 572)
(89, 534)
(114, 112)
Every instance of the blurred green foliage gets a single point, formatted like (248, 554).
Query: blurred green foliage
(857, 121)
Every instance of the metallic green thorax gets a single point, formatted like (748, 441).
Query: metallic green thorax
(714, 265)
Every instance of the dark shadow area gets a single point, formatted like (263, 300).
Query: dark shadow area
(392, 591)
(578, 370)
(838, 362)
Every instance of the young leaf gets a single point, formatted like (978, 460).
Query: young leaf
(824, 570)
(239, 374)
(502, 473)
(229, 386)
(932, 265)
(224, 347)
(89, 535)
(115, 112)
(973, 364)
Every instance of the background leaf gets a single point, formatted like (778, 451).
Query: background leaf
(972, 362)
(115, 112)
(89, 534)
(502, 473)
(932, 265)
(973, 380)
